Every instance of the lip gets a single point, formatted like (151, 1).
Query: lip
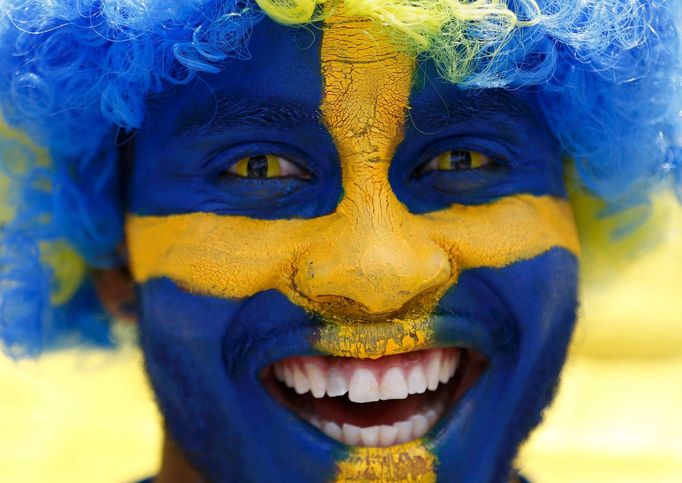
(386, 419)
(298, 334)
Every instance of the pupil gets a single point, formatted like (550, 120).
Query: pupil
(460, 160)
(257, 167)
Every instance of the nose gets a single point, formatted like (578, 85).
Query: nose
(377, 262)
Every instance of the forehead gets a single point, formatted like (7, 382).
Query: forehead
(282, 69)
(283, 72)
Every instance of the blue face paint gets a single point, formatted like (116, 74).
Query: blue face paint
(506, 126)
(268, 104)
(206, 356)
(527, 313)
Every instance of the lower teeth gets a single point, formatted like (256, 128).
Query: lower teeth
(380, 435)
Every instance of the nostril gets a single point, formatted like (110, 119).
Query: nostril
(333, 299)
(370, 303)
(337, 305)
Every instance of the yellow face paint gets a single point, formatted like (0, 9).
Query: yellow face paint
(410, 462)
(374, 264)
(371, 260)
(377, 339)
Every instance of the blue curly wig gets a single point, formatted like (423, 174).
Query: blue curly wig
(75, 74)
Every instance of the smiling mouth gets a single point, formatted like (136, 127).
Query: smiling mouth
(375, 403)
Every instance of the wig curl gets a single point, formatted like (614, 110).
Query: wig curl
(75, 74)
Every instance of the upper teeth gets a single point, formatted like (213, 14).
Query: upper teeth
(366, 380)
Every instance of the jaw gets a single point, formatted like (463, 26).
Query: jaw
(214, 393)
(451, 445)
(175, 468)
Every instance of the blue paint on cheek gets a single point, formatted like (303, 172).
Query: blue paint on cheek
(267, 104)
(204, 357)
(528, 311)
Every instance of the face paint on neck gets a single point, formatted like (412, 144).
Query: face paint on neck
(409, 462)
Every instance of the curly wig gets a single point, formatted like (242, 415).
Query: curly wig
(76, 74)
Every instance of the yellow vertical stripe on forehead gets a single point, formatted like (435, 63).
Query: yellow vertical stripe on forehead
(366, 90)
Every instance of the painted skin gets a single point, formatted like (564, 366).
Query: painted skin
(363, 253)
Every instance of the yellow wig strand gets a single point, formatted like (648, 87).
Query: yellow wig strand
(66, 265)
(440, 29)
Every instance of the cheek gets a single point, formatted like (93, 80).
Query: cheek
(181, 330)
(223, 256)
(509, 230)
(345, 256)
(181, 337)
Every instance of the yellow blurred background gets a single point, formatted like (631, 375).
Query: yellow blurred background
(618, 415)
(88, 416)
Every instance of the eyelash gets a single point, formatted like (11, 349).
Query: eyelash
(272, 166)
(455, 160)
(266, 166)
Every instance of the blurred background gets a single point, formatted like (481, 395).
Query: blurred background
(83, 415)
(618, 415)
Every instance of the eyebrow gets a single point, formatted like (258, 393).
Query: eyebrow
(431, 115)
(438, 112)
(228, 112)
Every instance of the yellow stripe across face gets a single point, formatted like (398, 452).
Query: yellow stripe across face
(236, 256)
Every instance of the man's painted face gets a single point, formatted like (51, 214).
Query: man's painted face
(349, 269)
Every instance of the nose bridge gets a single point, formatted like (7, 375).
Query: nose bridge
(379, 256)
(379, 233)
(370, 254)
(369, 202)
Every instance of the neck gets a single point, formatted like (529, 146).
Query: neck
(174, 465)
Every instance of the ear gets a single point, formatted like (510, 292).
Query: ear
(116, 292)
(114, 286)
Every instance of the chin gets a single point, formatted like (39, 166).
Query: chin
(247, 395)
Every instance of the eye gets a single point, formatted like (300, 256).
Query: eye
(455, 160)
(267, 166)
